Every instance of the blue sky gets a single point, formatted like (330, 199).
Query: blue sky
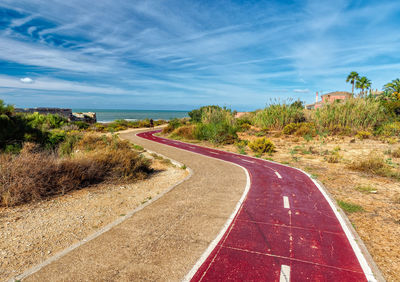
(182, 54)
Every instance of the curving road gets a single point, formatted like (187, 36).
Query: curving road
(284, 229)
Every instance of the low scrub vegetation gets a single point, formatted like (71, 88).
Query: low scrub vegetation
(35, 173)
(211, 123)
(375, 164)
(262, 146)
(45, 155)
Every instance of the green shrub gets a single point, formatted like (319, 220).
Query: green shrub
(306, 129)
(7, 110)
(220, 133)
(390, 129)
(290, 128)
(262, 145)
(82, 124)
(186, 131)
(172, 125)
(67, 146)
(363, 135)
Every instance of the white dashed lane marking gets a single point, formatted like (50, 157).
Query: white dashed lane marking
(285, 273)
(286, 204)
(214, 153)
(248, 161)
(277, 174)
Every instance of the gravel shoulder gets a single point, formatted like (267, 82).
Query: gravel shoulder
(32, 233)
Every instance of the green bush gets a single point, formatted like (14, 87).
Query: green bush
(290, 128)
(363, 135)
(262, 145)
(390, 129)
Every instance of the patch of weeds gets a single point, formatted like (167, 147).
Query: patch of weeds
(146, 200)
(390, 162)
(308, 137)
(295, 158)
(260, 134)
(268, 159)
(314, 175)
(166, 161)
(334, 156)
(395, 153)
(242, 151)
(349, 207)
(122, 214)
(374, 164)
(363, 135)
(285, 162)
(183, 167)
(157, 157)
(137, 147)
(366, 189)
(258, 155)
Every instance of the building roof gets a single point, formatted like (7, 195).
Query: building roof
(338, 93)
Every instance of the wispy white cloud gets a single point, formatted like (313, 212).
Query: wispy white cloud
(26, 80)
(50, 84)
(216, 51)
(301, 90)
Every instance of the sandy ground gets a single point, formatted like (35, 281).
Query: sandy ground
(379, 224)
(33, 232)
(162, 241)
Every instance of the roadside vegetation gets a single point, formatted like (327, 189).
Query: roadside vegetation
(45, 155)
(351, 146)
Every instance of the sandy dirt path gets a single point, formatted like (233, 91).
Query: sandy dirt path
(164, 240)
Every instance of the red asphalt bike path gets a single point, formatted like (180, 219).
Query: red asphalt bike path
(285, 229)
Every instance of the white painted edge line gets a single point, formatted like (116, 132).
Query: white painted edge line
(221, 233)
(277, 174)
(363, 262)
(106, 228)
(285, 273)
(228, 222)
(361, 259)
(286, 204)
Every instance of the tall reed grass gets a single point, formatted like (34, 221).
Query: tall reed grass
(276, 116)
(353, 114)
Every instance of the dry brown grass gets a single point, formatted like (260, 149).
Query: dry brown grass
(34, 175)
(374, 164)
(396, 153)
(186, 131)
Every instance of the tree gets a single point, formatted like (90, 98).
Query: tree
(352, 78)
(363, 83)
(393, 88)
(6, 109)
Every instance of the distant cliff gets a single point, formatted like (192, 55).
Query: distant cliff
(66, 113)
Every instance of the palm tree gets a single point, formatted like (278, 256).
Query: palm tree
(352, 78)
(393, 86)
(363, 83)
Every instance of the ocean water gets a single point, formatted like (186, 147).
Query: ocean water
(132, 115)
